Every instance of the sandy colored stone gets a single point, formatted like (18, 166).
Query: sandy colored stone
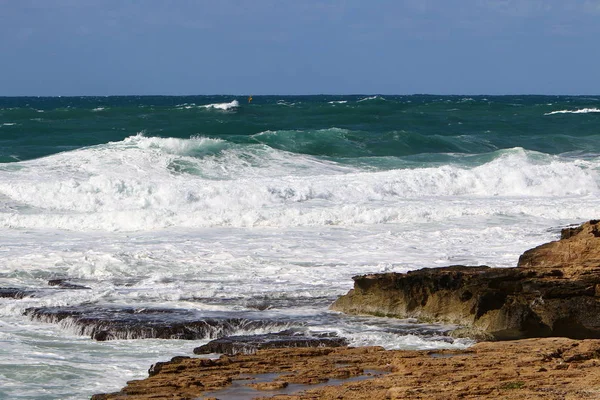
(550, 368)
(578, 247)
(276, 385)
(555, 291)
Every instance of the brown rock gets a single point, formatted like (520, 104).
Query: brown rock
(579, 247)
(554, 292)
(277, 385)
(550, 368)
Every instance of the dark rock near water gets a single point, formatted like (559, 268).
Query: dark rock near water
(16, 293)
(555, 291)
(108, 323)
(65, 284)
(249, 344)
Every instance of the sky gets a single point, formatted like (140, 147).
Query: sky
(242, 47)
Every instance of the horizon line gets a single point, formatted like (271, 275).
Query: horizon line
(303, 95)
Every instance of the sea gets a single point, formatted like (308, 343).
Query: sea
(264, 209)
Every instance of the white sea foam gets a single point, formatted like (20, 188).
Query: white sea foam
(338, 102)
(243, 226)
(285, 103)
(405, 342)
(8, 124)
(218, 227)
(371, 98)
(187, 106)
(99, 109)
(579, 111)
(149, 183)
(222, 106)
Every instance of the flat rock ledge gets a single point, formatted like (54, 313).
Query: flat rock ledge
(554, 291)
(549, 368)
(120, 322)
(249, 344)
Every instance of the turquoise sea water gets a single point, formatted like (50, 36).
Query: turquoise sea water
(265, 209)
(334, 127)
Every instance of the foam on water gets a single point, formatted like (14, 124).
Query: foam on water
(148, 183)
(370, 98)
(579, 111)
(238, 225)
(223, 270)
(56, 365)
(222, 106)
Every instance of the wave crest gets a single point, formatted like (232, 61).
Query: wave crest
(222, 106)
(127, 187)
(579, 111)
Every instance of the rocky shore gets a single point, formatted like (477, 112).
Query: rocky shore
(547, 307)
(550, 368)
(554, 291)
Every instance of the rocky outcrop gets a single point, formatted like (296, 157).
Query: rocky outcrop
(578, 248)
(555, 291)
(65, 284)
(16, 293)
(552, 368)
(249, 344)
(110, 322)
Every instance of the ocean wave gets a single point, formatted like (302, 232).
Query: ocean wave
(285, 103)
(330, 142)
(338, 102)
(222, 106)
(99, 109)
(127, 187)
(579, 111)
(195, 146)
(371, 98)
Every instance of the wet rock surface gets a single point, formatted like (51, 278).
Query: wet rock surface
(16, 293)
(108, 323)
(65, 284)
(249, 344)
(555, 291)
(550, 368)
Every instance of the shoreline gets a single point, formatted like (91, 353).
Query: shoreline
(548, 368)
(544, 310)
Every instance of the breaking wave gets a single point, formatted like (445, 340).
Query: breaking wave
(148, 183)
(580, 111)
(222, 106)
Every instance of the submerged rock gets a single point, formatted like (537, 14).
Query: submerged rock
(65, 284)
(555, 291)
(107, 323)
(249, 344)
(16, 293)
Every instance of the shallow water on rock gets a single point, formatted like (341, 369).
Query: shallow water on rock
(239, 389)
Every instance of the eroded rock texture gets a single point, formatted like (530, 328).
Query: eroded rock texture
(555, 291)
(112, 322)
(551, 368)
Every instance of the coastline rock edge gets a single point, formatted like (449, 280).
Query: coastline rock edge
(554, 291)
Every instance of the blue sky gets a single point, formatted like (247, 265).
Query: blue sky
(93, 47)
